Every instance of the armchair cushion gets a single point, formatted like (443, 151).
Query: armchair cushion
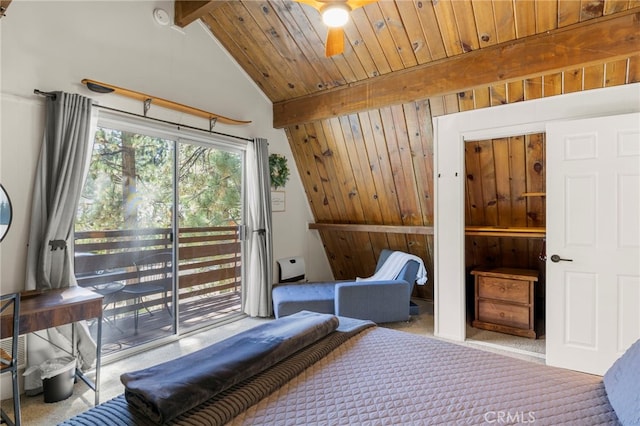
(291, 298)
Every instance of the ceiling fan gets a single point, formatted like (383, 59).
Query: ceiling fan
(335, 14)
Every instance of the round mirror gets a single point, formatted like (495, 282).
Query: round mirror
(5, 212)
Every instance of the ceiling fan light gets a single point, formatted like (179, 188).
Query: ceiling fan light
(335, 15)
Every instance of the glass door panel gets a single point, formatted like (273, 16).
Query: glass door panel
(209, 219)
(124, 238)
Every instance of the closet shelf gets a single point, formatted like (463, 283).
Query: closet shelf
(505, 231)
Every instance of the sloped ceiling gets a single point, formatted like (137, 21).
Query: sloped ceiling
(359, 123)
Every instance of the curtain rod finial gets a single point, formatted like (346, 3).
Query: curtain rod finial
(51, 95)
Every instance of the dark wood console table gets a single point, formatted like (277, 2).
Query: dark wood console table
(40, 310)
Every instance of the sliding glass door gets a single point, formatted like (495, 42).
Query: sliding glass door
(157, 232)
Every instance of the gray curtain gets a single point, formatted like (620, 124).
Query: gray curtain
(64, 156)
(256, 293)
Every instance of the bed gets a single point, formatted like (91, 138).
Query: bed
(358, 373)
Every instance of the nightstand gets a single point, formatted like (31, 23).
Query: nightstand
(505, 299)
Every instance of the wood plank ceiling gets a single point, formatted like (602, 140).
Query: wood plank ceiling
(359, 123)
(4, 4)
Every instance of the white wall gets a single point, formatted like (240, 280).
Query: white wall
(450, 132)
(52, 45)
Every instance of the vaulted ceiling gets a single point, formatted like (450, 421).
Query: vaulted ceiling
(359, 123)
(280, 44)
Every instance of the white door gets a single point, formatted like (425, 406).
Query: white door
(593, 241)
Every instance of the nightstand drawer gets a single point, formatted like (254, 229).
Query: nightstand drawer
(504, 289)
(504, 314)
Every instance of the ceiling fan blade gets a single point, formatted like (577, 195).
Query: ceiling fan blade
(335, 35)
(313, 3)
(354, 4)
(335, 42)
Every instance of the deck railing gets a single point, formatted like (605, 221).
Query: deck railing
(209, 264)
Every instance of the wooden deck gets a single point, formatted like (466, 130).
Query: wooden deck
(119, 333)
(134, 270)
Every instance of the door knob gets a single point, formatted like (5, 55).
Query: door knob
(555, 259)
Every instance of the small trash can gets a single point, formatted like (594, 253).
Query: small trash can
(58, 377)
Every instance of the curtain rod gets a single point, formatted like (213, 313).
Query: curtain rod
(178, 125)
(47, 94)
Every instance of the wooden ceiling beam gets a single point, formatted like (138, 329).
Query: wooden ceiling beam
(4, 4)
(608, 38)
(187, 11)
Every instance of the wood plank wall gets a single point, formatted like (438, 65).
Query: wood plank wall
(376, 167)
(504, 178)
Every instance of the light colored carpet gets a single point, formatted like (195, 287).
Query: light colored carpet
(519, 347)
(35, 412)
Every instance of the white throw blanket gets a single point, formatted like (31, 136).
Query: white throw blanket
(392, 267)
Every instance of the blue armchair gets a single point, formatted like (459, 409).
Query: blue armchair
(378, 301)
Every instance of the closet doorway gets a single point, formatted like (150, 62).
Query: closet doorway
(525, 118)
(504, 241)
